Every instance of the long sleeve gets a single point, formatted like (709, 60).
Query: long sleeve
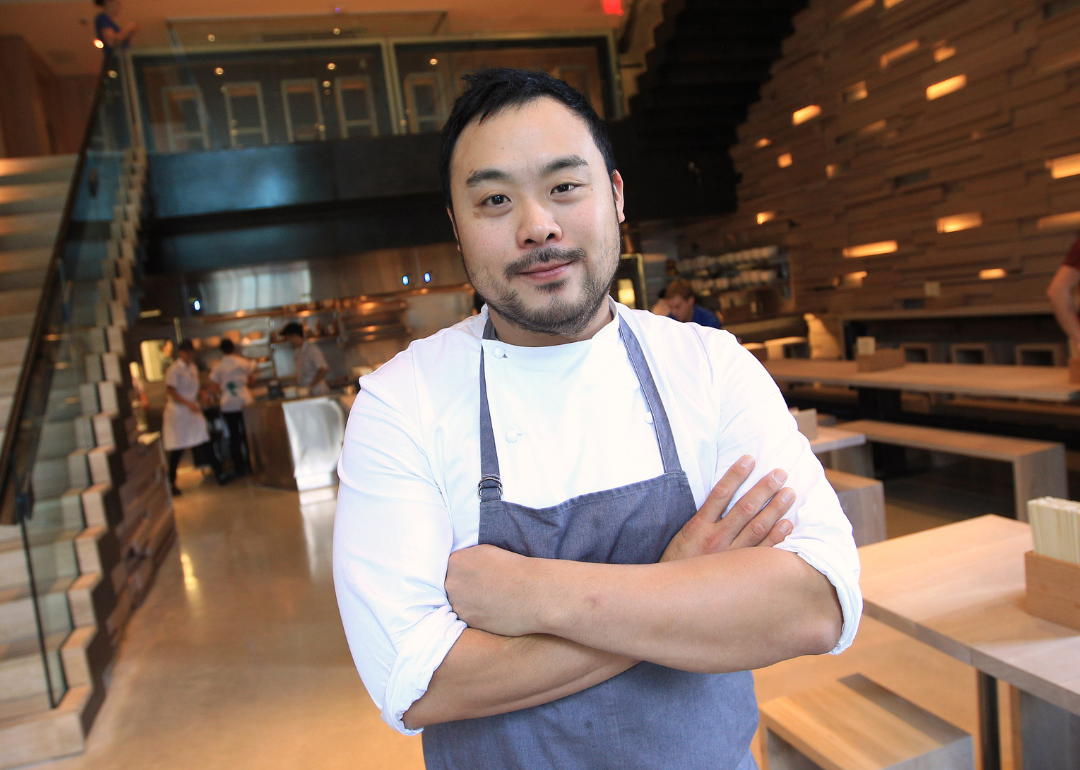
(392, 540)
(755, 421)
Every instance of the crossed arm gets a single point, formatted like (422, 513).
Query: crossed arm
(543, 629)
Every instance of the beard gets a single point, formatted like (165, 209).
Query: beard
(558, 317)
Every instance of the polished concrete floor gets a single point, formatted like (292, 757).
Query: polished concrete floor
(237, 659)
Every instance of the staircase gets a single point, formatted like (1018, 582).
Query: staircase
(708, 63)
(101, 516)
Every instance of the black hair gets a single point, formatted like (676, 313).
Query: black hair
(227, 346)
(292, 329)
(186, 345)
(492, 90)
(99, 3)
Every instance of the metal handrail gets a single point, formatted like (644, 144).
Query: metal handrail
(14, 497)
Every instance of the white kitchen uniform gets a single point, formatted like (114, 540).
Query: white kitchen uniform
(568, 420)
(309, 360)
(231, 374)
(181, 427)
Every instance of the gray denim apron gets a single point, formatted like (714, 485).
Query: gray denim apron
(648, 717)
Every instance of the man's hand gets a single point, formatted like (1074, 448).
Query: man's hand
(754, 520)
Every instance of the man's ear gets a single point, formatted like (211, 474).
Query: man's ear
(617, 192)
(453, 224)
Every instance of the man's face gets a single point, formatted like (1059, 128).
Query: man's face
(536, 216)
(187, 356)
(681, 307)
(296, 340)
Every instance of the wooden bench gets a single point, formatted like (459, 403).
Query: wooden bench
(855, 724)
(863, 501)
(1038, 466)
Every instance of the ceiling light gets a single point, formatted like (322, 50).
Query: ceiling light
(433, 62)
(326, 84)
(331, 66)
(763, 142)
(219, 71)
(337, 31)
(943, 52)
(992, 273)
(211, 38)
(899, 52)
(765, 216)
(1060, 221)
(98, 44)
(784, 160)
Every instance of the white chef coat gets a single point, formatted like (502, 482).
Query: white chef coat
(181, 427)
(231, 374)
(309, 360)
(568, 420)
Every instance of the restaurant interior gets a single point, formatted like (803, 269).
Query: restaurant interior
(875, 197)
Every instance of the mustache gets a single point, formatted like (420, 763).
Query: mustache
(542, 256)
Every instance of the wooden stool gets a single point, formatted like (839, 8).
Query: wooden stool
(863, 501)
(855, 724)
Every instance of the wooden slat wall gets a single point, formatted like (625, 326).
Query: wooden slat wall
(983, 148)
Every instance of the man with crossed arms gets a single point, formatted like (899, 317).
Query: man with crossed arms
(529, 553)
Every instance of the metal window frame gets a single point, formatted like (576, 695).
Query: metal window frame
(173, 135)
(344, 123)
(410, 99)
(234, 132)
(315, 88)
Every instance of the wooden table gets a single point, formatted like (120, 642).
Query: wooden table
(879, 392)
(960, 588)
(831, 439)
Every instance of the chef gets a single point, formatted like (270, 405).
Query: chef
(183, 423)
(531, 556)
(311, 366)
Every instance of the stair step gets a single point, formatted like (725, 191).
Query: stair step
(49, 733)
(22, 671)
(25, 259)
(12, 351)
(17, 610)
(19, 301)
(49, 168)
(28, 231)
(33, 198)
(53, 553)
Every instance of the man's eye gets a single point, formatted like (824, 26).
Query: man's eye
(497, 200)
(564, 187)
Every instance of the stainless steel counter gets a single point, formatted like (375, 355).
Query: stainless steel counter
(295, 443)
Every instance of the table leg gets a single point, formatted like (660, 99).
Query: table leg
(989, 739)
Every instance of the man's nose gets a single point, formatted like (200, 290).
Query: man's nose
(538, 226)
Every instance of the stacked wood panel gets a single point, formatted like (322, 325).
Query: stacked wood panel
(961, 183)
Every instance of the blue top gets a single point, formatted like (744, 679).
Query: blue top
(103, 22)
(703, 317)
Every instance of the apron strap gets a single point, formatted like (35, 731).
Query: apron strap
(490, 486)
(664, 437)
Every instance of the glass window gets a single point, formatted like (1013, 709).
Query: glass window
(303, 110)
(185, 118)
(431, 72)
(246, 114)
(356, 106)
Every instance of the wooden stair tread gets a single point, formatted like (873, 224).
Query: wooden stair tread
(40, 537)
(20, 648)
(22, 708)
(23, 223)
(15, 167)
(25, 259)
(17, 593)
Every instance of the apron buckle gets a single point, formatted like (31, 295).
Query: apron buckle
(486, 483)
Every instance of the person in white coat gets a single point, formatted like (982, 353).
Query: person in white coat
(183, 423)
(233, 375)
(311, 366)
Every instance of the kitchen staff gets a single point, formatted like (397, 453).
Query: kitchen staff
(183, 423)
(682, 303)
(578, 442)
(311, 366)
(233, 375)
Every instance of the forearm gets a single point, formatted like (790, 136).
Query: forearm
(320, 375)
(1065, 312)
(485, 674)
(729, 611)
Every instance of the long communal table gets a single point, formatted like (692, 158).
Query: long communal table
(960, 588)
(879, 392)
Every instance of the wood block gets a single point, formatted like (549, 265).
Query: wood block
(1074, 370)
(881, 360)
(863, 502)
(855, 724)
(1053, 589)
